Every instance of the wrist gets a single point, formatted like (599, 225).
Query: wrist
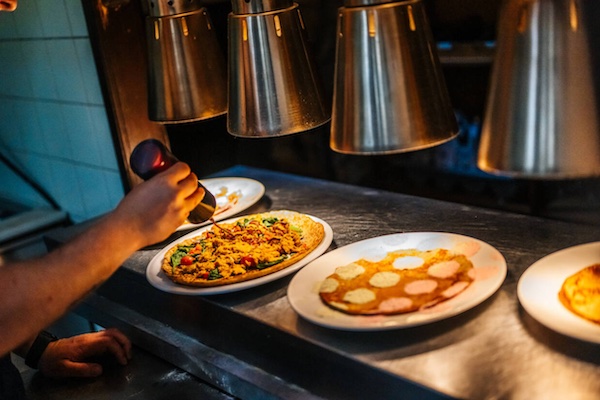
(123, 229)
(39, 345)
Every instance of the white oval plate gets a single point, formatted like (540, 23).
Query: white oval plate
(303, 291)
(159, 280)
(539, 285)
(249, 192)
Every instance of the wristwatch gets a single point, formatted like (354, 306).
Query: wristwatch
(40, 343)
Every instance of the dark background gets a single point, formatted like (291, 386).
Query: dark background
(448, 172)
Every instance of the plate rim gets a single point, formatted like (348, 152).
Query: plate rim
(563, 321)
(261, 189)
(386, 322)
(154, 265)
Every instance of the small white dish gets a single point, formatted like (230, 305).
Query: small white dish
(244, 193)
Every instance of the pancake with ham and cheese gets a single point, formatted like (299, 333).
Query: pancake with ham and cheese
(250, 247)
(580, 293)
(402, 282)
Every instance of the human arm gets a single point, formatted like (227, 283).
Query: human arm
(34, 293)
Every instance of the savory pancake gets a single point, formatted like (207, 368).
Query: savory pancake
(580, 293)
(248, 248)
(403, 281)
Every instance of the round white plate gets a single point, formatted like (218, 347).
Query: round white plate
(303, 291)
(249, 191)
(539, 286)
(158, 279)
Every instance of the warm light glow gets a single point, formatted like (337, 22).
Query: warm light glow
(208, 24)
(184, 27)
(301, 20)
(523, 16)
(371, 21)
(411, 19)
(277, 25)
(574, 14)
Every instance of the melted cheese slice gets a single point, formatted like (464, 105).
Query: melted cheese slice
(329, 285)
(359, 296)
(384, 279)
(349, 271)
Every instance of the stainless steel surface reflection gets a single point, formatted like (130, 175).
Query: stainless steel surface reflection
(541, 119)
(389, 92)
(273, 87)
(491, 351)
(187, 78)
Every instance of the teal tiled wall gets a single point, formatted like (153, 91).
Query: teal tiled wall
(53, 122)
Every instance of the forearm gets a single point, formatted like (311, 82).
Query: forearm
(35, 293)
(22, 350)
(68, 275)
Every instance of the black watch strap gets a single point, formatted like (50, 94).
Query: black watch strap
(40, 343)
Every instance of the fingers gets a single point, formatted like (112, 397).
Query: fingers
(63, 359)
(187, 182)
(190, 189)
(8, 5)
(177, 172)
(72, 357)
(120, 346)
(154, 209)
(195, 198)
(120, 338)
(108, 341)
(73, 369)
(196, 192)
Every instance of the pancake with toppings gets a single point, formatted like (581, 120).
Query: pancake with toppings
(248, 248)
(402, 282)
(580, 293)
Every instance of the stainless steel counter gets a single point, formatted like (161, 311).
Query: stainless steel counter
(253, 345)
(145, 377)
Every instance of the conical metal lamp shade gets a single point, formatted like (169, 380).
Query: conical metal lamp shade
(187, 73)
(389, 92)
(541, 119)
(273, 87)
